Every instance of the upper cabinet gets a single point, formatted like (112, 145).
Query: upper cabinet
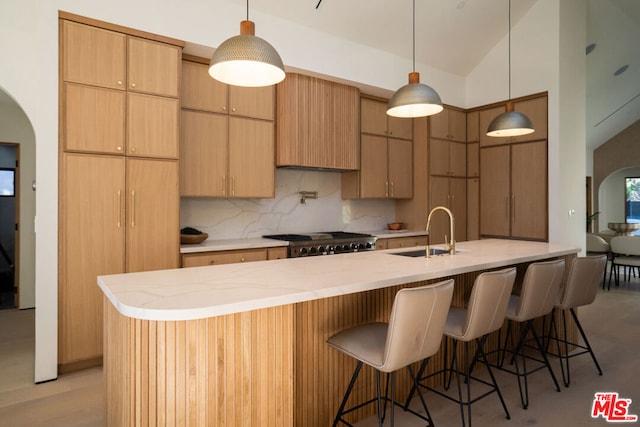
(99, 57)
(385, 160)
(202, 92)
(449, 124)
(93, 56)
(317, 124)
(375, 121)
(227, 137)
(534, 108)
(113, 99)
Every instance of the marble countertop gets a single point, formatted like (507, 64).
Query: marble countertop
(201, 292)
(259, 242)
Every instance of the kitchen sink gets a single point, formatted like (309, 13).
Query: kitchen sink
(422, 252)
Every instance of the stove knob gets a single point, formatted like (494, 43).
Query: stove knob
(354, 247)
(331, 250)
(369, 245)
(303, 251)
(321, 250)
(313, 250)
(345, 247)
(361, 246)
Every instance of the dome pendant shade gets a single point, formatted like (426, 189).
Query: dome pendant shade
(247, 60)
(510, 123)
(414, 100)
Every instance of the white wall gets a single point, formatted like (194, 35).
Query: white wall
(15, 128)
(28, 36)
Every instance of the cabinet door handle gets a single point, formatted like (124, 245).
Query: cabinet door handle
(224, 108)
(233, 110)
(118, 222)
(513, 207)
(224, 185)
(133, 85)
(233, 185)
(386, 189)
(133, 208)
(506, 206)
(392, 192)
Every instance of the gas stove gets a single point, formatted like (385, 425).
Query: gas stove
(325, 243)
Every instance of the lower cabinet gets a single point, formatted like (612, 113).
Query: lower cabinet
(401, 242)
(513, 191)
(117, 215)
(231, 257)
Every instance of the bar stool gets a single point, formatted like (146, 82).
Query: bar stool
(537, 296)
(581, 289)
(483, 315)
(414, 332)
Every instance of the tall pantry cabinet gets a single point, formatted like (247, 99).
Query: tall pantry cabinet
(119, 200)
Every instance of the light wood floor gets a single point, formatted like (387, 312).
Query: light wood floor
(612, 324)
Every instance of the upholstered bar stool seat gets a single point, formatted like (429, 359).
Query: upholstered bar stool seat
(538, 295)
(414, 332)
(581, 289)
(484, 314)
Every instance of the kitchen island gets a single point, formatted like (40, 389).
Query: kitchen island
(244, 344)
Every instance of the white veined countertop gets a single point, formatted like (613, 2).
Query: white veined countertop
(201, 292)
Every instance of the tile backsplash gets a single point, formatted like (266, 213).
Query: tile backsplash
(245, 218)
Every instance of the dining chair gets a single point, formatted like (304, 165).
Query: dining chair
(598, 245)
(625, 252)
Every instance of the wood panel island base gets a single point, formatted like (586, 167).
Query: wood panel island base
(244, 344)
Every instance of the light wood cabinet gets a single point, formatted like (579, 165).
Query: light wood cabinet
(202, 92)
(375, 121)
(232, 256)
(386, 151)
(450, 193)
(152, 126)
(227, 137)
(93, 56)
(153, 67)
(100, 57)
(222, 156)
(117, 215)
(473, 126)
(473, 208)
(118, 198)
(400, 242)
(513, 191)
(447, 158)
(385, 170)
(317, 124)
(535, 108)
(473, 159)
(93, 119)
(449, 124)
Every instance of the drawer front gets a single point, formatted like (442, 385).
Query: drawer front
(406, 242)
(223, 257)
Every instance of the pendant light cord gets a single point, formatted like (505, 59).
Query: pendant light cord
(248, 9)
(509, 49)
(414, 35)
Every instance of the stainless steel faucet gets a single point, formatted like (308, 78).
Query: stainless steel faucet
(451, 245)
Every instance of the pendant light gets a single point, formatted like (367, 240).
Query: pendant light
(247, 60)
(414, 99)
(511, 122)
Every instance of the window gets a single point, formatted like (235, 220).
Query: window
(7, 182)
(632, 199)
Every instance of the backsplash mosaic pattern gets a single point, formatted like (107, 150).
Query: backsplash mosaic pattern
(246, 218)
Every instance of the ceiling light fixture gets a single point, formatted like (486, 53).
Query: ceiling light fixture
(511, 122)
(414, 99)
(247, 60)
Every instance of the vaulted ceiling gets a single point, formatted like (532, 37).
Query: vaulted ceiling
(613, 102)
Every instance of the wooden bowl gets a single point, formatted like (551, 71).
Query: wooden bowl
(192, 239)
(395, 226)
